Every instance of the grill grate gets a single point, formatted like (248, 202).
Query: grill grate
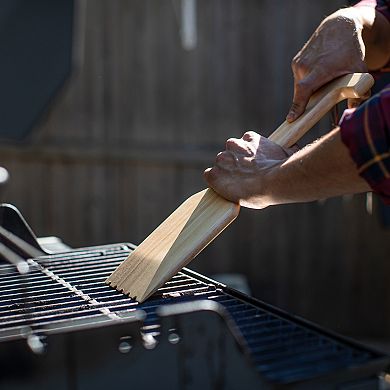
(71, 286)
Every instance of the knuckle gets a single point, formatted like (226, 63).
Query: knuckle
(252, 138)
(300, 64)
(207, 174)
(295, 60)
(210, 174)
(249, 135)
(295, 107)
(304, 89)
(225, 160)
(304, 85)
(231, 142)
(220, 157)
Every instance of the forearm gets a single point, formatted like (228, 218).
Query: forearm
(321, 170)
(374, 30)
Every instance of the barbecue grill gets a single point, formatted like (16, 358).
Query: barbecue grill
(62, 327)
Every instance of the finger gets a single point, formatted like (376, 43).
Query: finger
(303, 89)
(211, 175)
(219, 182)
(231, 143)
(302, 95)
(239, 146)
(226, 161)
(207, 174)
(225, 157)
(250, 136)
(253, 141)
(353, 103)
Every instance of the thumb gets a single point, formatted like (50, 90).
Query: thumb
(303, 89)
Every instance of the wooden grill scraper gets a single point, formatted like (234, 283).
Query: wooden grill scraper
(191, 227)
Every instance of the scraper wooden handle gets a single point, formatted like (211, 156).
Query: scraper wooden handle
(353, 85)
(204, 215)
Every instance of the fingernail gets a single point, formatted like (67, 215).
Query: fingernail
(290, 117)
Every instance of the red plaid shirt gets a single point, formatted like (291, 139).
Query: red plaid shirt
(366, 130)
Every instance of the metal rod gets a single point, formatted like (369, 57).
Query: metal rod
(58, 298)
(94, 260)
(14, 259)
(20, 244)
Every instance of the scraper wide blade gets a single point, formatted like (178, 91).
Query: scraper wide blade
(173, 244)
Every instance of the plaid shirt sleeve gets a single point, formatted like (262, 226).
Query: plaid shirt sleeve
(366, 133)
(366, 130)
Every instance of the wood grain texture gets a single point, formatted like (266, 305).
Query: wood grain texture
(173, 244)
(205, 215)
(345, 87)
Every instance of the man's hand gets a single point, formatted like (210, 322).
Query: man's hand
(335, 48)
(257, 173)
(241, 171)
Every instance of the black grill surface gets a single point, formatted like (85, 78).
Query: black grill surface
(71, 286)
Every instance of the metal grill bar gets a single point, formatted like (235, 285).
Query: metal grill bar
(64, 295)
(70, 286)
(35, 307)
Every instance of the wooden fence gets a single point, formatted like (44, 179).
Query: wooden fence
(139, 120)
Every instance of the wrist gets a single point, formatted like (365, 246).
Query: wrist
(274, 184)
(361, 16)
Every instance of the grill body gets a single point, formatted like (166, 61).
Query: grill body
(62, 327)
